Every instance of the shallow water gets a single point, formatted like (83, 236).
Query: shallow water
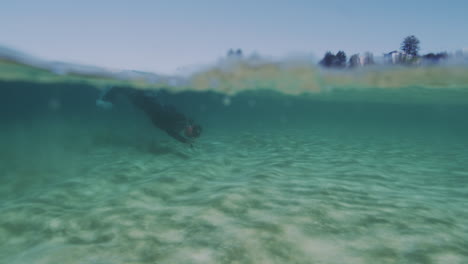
(273, 179)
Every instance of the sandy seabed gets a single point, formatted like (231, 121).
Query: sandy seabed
(82, 193)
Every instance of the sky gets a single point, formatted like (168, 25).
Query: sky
(167, 35)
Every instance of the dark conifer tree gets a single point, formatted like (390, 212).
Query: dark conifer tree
(410, 46)
(340, 59)
(328, 60)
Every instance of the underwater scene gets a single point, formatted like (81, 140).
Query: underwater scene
(294, 164)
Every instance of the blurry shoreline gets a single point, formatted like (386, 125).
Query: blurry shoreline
(231, 76)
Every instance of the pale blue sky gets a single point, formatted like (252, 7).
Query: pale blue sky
(161, 35)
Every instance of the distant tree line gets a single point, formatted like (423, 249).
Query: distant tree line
(234, 53)
(435, 57)
(332, 60)
(407, 56)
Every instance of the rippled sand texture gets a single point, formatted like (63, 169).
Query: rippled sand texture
(308, 196)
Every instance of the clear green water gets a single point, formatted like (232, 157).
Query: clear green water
(273, 179)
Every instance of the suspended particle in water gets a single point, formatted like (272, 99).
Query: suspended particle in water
(283, 119)
(203, 108)
(54, 104)
(226, 101)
